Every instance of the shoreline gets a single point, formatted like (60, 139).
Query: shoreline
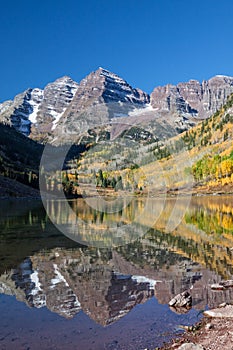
(12, 189)
(168, 195)
(209, 334)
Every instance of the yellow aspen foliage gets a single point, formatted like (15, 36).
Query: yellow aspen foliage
(225, 181)
(218, 173)
(227, 222)
(226, 167)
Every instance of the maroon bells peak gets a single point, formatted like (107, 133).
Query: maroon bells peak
(65, 110)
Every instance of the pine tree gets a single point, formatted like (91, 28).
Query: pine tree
(119, 184)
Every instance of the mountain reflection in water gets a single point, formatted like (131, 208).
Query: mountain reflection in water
(44, 268)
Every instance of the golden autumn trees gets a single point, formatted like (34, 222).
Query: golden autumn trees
(213, 168)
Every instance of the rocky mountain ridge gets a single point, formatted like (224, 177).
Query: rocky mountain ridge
(193, 97)
(64, 110)
(35, 111)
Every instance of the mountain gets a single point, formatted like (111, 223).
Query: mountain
(103, 105)
(35, 112)
(20, 113)
(101, 97)
(177, 108)
(198, 99)
(197, 160)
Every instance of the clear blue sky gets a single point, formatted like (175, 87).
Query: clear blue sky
(148, 43)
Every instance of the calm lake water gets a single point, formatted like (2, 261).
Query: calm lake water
(106, 282)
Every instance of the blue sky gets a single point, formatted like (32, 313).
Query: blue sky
(148, 43)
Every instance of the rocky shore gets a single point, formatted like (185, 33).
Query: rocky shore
(210, 334)
(214, 331)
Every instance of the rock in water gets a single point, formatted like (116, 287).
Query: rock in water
(222, 285)
(181, 300)
(217, 286)
(227, 284)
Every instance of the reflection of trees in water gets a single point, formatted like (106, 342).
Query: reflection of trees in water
(215, 221)
(24, 230)
(97, 222)
(162, 250)
(25, 217)
(211, 219)
(152, 250)
(162, 255)
(205, 235)
(111, 211)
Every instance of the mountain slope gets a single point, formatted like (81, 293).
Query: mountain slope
(101, 97)
(19, 149)
(10, 188)
(198, 99)
(57, 96)
(19, 158)
(36, 112)
(199, 157)
(21, 112)
(196, 160)
(104, 105)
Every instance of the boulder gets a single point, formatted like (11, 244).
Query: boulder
(222, 285)
(227, 284)
(181, 300)
(217, 286)
(223, 312)
(190, 346)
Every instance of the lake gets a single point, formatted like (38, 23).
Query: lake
(97, 274)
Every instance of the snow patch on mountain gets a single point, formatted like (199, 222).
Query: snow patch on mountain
(56, 117)
(35, 279)
(59, 278)
(36, 99)
(143, 279)
(139, 111)
(33, 115)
